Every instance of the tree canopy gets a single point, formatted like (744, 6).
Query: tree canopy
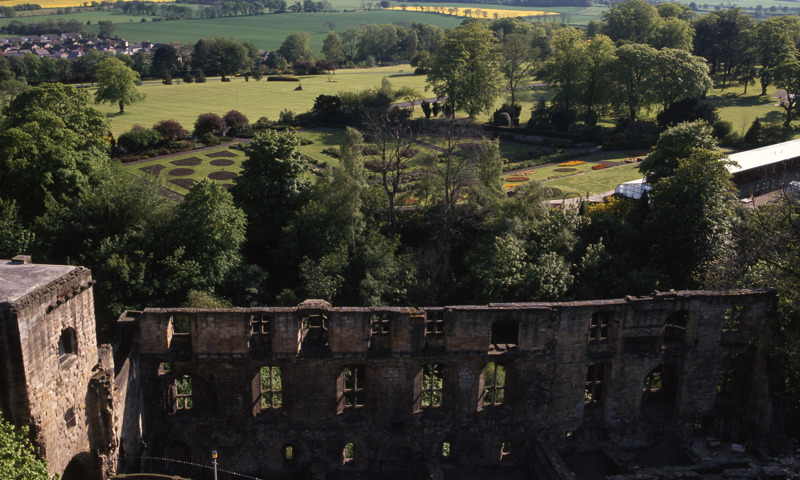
(116, 83)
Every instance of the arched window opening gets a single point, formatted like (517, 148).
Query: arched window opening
(349, 454)
(67, 344)
(289, 455)
(505, 451)
(446, 450)
(183, 397)
(494, 384)
(659, 393)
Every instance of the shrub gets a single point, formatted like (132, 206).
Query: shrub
(721, 128)
(170, 129)
(326, 106)
(234, 121)
(208, 123)
(286, 117)
(282, 78)
(139, 139)
(263, 123)
(167, 80)
(209, 139)
(188, 78)
(200, 77)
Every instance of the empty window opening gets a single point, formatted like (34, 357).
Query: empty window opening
(434, 322)
(181, 324)
(446, 450)
(494, 384)
(431, 386)
(727, 374)
(598, 328)
(164, 367)
(733, 318)
(354, 382)
(675, 327)
(505, 335)
(261, 332)
(380, 324)
(271, 387)
(67, 344)
(505, 451)
(183, 398)
(314, 335)
(595, 381)
(69, 418)
(653, 382)
(349, 454)
(288, 455)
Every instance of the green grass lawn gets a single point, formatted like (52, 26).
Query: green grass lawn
(597, 181)
(322, 138)
(740, 109)
(185, 101)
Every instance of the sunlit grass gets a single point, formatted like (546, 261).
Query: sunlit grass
(477, 12)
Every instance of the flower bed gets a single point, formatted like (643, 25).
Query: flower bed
(222, 162)
(153, 169)
(181, 172)
(571, 163)
(222, 175)
(564, 170)
(187, 162)
(223, 153)
(601, 166)
(183, 182)
(517, 179)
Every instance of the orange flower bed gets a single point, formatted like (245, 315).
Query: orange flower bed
(571, 163)
(517, 179)
(601, 166)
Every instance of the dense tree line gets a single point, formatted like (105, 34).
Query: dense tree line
(16, 27)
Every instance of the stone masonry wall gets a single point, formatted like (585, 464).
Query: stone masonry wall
(678, 338)
(56, 385)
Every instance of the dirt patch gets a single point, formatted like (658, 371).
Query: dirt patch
(221, 163)
(153, 169)
(223, 153)
(181, 172)
(222, 175)
(187, 162)
(564, 170)
(186, 183)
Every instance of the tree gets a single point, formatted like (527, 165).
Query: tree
(165, 61)
(332, 48)
(518, 61)
(599, 57)
(52, 143)
(216, 227)
(17, 459)
(632, 77)
(208, 123)
(296, 46)
(692, 219)
(787, 78)
(116, 83)
(775, 40)
(673, 144)
(677, 75)
(632, 20)
(106, 28)
(565, 70)
(464, 69)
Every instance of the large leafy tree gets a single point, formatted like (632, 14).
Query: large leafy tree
(116, 83)
(677, 75)
(565, 70)
(787, 78)
(633, 21)
(52, 142)
(296, 46)
(633, 79)
(17, 459)
(775, 41)
(464, 69)
(673, 144)
(518, 61)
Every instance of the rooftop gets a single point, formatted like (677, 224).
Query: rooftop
(18, 279)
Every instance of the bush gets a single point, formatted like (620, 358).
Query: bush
(209, 139)
(170, 129)
(263, 123)
(282, 78)
(208, 123)
(286, 117)
(326, 106)
(167, 80)
(188, 78)
(721, 129)
(235, 121)
(139, 139)
(200, 77)
(687, 110)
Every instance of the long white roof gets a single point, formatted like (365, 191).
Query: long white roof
(760, 157)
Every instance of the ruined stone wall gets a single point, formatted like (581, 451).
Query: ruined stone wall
(52, 396)
(574, 374)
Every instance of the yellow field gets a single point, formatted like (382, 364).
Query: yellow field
(55, 3)
(473, 12)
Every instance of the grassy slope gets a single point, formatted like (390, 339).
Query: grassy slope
(741, 110)
(183, 102)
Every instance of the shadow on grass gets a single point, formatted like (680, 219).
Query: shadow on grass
(732, 99)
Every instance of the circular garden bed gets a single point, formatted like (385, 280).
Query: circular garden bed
(223, 153)
(221, 162)
(181, 172)
(517, 179)
(564, 170)
(222, 175)
(187, 162)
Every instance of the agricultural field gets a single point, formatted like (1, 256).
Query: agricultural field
(476, 12)
(185, 101)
